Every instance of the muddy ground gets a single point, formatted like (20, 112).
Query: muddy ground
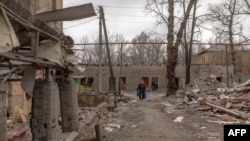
(153, 120)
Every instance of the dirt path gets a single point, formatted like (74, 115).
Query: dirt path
(149, 121)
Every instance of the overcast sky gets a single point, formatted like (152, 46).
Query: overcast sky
(127, 17)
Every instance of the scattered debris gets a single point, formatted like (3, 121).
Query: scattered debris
(134, 126)
(109, 129)
(190, 97)
(178, 119)
(114, 126)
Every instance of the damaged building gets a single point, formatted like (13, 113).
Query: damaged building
(154, 77)
(217, 55)
(36, 64)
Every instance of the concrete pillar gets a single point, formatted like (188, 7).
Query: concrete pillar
(3, 114)
(69, 106)
(45, 111)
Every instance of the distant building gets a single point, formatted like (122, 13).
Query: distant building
(217, 56)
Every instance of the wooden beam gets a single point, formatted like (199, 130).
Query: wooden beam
(232, 112)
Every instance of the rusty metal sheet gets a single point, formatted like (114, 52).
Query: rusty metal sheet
(68, 14)
(8, 36)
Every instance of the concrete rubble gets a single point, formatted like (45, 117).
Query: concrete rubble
(230, 105)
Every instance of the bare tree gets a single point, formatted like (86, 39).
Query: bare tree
(226, 22)
(146, 54)
(244, 7)
(138, 51)
(172, 48)
(184, 55)
(189, 46)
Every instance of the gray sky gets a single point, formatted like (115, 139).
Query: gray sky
(125, 17)
(120, 19)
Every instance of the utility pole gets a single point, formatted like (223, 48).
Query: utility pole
(112, 82)
(120, 80)
(227, 67)
(100, 50)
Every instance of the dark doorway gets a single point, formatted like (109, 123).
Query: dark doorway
(219, 79)
(122, 83)
(177, 82)
(146, 81)
(154, 84)
(87, 81)
(112, 82)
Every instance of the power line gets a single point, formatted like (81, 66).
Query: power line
(79, 24)
(195, 43)
(128, 15)
(137, 22)
(109, 6)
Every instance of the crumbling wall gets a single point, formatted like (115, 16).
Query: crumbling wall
(15, 98)
(133, 75)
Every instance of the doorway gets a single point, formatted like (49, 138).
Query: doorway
(122, 84)
(146, 81)
(154, 84)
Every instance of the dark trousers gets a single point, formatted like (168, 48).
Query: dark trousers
(141, 96)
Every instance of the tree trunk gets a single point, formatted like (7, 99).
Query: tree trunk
(231, 35)
(171, 61)
(188, 67)
(172, 48)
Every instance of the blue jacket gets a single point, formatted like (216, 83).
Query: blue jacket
(141, 88)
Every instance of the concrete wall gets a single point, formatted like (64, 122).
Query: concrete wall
(134, 74)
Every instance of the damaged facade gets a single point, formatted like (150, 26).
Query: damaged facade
(36, 62)
(218, 55)
(154, 77)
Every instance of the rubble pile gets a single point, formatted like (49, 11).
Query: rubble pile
(229, 104)
(204, 85)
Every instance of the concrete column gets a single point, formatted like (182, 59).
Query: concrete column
(3, 114)
(45, 111)
(69, 106)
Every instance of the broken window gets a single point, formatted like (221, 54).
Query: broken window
(122, 83)
(177, 82)
(154, 83)
(219, 79)
(112, 82)
(87, 84)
